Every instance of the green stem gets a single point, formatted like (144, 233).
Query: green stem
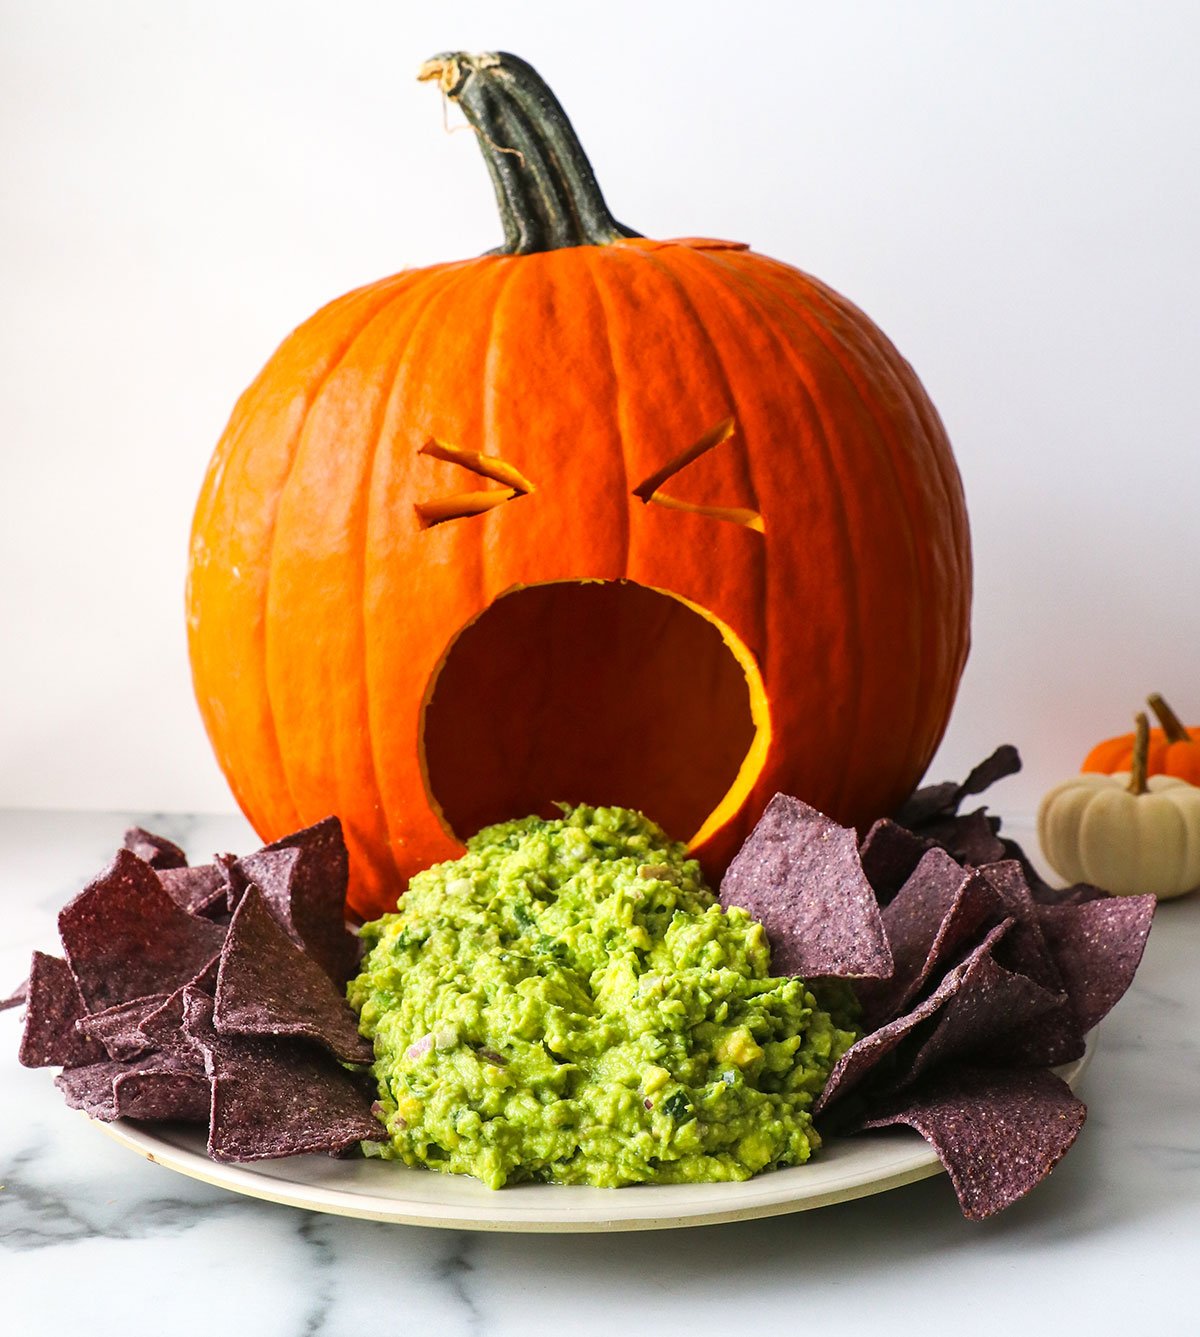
(1172, 727)
(545, 187)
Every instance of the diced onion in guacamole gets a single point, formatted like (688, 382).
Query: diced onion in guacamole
(567, 1002)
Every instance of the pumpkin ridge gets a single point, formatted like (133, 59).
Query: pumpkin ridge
(621, 417)
(663, 262)
(404, 292)
(900, 373)
(250, 801)
(369, 473)
(915, 396)
(886, 443)
(491, 431)
(722, 294)
(430, 306)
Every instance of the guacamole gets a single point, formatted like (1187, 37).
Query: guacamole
(567, 1002)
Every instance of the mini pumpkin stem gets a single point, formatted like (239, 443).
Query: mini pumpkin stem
(1172, 727)
(1141, 747)
(545, 187)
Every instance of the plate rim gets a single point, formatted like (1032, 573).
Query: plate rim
(766, 1195)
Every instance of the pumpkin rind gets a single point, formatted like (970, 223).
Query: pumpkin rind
(319, 606)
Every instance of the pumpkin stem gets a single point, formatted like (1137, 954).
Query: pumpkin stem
(545, 186)
(1172, 728)
(1141, 747)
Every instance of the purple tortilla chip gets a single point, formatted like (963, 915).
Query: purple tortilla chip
(1025, 947)
(943, 800)
(1097, 946)
(117, 1027)
(90, 1087)
(971, 838)
(1055, 1037)
(939, 910)
(163, 1092)
(169, 1084)
(998, 1132)
(163, 1027)
(157, 851)
(268, 986)
(277, 1097)
(196, 890)
(889, 853)
(15, 999)
(866, 1054)
(992, 1006)
(1006, 760)
(51, 1011)
(799, 874)
(303, 879)
(125, 937)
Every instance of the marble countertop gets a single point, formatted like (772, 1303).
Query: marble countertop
(97, 1241)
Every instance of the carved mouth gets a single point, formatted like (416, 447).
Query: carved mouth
(600, 692)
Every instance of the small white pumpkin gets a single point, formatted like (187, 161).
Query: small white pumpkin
(1123, 832)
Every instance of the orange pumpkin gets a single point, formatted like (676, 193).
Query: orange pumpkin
(592, 518)
(1173, 749)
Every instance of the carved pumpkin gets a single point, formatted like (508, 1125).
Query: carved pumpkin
(665, 524)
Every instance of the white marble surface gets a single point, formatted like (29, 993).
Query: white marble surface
(95, 1241)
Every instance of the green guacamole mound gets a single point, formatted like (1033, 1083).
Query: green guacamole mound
(567, 1002)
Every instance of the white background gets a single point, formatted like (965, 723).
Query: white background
(1009, 189)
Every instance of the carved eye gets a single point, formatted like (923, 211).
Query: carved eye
(651, 488)
(460, 505)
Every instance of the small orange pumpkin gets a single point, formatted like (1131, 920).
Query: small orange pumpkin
(1173, 749)
(591, 518)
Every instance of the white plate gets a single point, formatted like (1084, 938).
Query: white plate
(845, 1168)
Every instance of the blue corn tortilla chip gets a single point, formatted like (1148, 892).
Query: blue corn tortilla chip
(90, 1087)
(889, 853)
(17, 998)
(163, 1092)
(979, 1020)
(157, 851)
(303, 879)
(267, 986)
(799, 874)
(153, 1087)
(163, 1027)
(275, 1097)
(1055, 1037)
(998, 1132)
(124, 936)
(944, 799)
(1097, 946)
(939, 910)
(862, 1060)
(971, 837)
(200, 891)
(117, 1028)
(53, 1006)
